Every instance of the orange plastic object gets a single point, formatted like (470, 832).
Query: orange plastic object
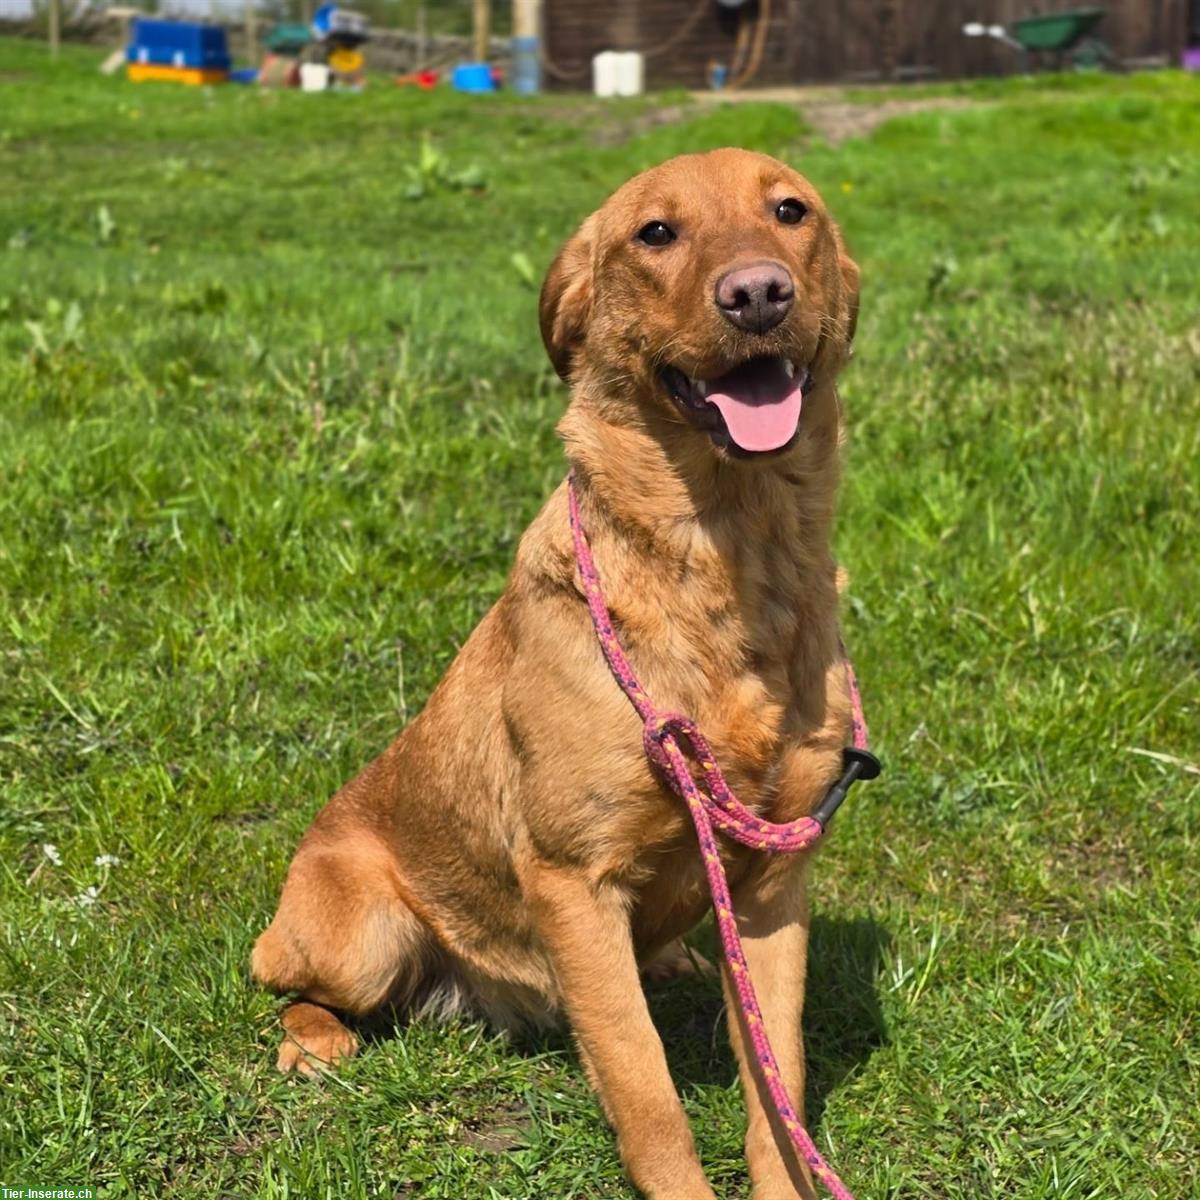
(422, 79)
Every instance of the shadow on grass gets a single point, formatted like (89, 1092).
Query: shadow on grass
(843, 1020)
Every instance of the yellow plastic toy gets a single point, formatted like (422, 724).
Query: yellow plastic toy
(345, 61)
(141, 72)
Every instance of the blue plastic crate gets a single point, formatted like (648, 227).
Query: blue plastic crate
(178, 44)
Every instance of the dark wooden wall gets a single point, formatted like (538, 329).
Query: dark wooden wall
(825, 41)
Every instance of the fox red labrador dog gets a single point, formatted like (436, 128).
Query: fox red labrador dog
(513, 853)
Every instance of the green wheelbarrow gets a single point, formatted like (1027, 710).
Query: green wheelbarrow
(1060, 34)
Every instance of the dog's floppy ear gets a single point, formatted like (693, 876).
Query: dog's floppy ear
(851, 277)
(566, 301)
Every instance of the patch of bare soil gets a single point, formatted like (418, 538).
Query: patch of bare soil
(837, 121)
(616, 132)
(504, 1127)
(833, 117)
(828, 111)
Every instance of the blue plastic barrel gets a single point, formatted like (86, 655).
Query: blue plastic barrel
(526, 66)
(473, 77)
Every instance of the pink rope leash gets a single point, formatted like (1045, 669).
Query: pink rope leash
(663, 735)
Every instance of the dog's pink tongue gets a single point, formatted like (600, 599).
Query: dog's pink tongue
(760, 403)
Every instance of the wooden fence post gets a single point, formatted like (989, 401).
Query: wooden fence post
(251, 33)
(482, 24)
(888, 36)
(54, 22)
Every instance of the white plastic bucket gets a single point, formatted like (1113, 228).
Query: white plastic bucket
(314, 77)
(618, 73)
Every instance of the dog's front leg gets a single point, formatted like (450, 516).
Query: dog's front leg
(772, 911)
(585, 926)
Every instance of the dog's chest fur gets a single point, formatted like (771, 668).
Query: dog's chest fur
(724, 632)
(731, 622)
(740, 640)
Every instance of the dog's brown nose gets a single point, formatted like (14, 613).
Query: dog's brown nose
(755, 297)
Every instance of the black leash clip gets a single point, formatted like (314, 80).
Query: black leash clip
(856, 765)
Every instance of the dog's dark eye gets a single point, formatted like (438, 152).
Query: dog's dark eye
(656, 234)
(790, 212)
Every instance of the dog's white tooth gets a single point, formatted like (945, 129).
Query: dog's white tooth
(790, 368)
(701, 388)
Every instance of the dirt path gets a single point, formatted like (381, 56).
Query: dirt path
(836, 122)
(830, 114)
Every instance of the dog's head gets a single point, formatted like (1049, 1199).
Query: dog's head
(715, 287)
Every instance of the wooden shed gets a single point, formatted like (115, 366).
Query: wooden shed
(827, 41)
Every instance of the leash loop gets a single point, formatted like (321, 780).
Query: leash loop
(664, 736)
(658, 728)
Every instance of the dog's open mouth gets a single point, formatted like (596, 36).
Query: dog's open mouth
(753, 409)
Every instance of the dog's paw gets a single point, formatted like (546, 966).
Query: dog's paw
(678, 960)
(785, 1184)
(314, 1039)
(314, 1057)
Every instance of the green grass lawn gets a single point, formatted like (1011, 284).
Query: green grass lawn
(273, 415)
